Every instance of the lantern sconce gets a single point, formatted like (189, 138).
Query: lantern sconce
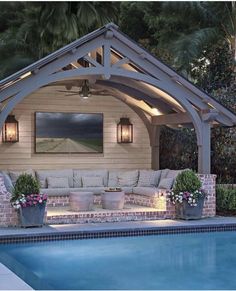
(10, 131)
(124, 131)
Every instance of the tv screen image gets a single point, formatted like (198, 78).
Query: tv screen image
(68, 132)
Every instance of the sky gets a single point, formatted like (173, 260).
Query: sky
(69, 125)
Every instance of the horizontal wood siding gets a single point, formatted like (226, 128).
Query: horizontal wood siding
(128, 156)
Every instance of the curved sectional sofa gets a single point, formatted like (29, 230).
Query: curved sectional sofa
(62, 182)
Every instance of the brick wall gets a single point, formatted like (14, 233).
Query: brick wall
(209, 186)
(8, 215)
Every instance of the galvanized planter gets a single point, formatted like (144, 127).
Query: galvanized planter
(32, 216)
(185, 211)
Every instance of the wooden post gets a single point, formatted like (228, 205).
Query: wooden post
(155, 145)
(204, 150)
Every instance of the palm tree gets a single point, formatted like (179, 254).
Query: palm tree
(198, 26)
(42, 27)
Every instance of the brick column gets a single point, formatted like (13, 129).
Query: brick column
(170, 210)
(209, 186)
(8, 215)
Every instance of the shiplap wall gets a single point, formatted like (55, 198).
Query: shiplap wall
(130, 156)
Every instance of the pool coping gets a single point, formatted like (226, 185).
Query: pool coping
(91, 231)
(10, 281)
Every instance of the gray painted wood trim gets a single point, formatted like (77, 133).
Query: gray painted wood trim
(174, 118)
(154, 73)
(133, 92)
(102, 71)
(121, 62)
(155, 144)
(171, 73)
(204, 150)
(145, 61)
(124, 49)
(58, 54)
(115, 93)
(53, 67)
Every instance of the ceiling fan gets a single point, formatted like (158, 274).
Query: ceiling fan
(85, 92)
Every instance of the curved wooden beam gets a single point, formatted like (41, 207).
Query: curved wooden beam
(101, 71)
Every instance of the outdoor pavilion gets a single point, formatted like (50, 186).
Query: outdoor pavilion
(110, 60)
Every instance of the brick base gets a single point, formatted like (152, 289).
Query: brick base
(153, 202)
(209, 186)
(98, 217)
(8, 215)
(164, 209)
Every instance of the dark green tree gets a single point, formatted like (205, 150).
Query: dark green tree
(35, 29)
(190, 28)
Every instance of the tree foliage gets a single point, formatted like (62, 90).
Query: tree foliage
(178, 148)
(32, 30)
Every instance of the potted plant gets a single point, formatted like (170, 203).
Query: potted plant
(187, 196)
(28, 201)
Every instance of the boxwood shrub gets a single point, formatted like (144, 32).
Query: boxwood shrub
(225, 199)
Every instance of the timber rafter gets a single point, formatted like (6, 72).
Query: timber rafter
(112, 60)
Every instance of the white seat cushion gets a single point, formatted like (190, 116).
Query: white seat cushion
(164, 173)
(127, 190)
(166, 183)
(148, 178)
(55, 182)
(3, 189)
(66, 191)
(42, 176)
(145, 191)
(123, 178)
(78, 174)
(92, 181)
(128, 179)
(173, 173)
(56, 191)
(95, 190)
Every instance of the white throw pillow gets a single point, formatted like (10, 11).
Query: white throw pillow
(128, 179)
(148, 178)
(3, 189)
(166, 183)
(173, 173)
(42, 176)
(92, 181)
(77, 181)
(164, 173)
(78, 174)
(60, 182)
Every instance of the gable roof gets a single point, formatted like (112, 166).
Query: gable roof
(196, 95)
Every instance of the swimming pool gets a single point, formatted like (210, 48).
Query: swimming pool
(179, 261)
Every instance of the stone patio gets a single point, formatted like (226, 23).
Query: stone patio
(131, 212)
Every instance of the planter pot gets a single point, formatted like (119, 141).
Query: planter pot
(185, 211)
(32, 216)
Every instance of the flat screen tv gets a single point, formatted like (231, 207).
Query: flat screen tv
(68, 132)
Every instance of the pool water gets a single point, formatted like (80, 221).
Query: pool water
(182, 261)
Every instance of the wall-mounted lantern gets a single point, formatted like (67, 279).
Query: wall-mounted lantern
(124, 131)
(10, 131)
